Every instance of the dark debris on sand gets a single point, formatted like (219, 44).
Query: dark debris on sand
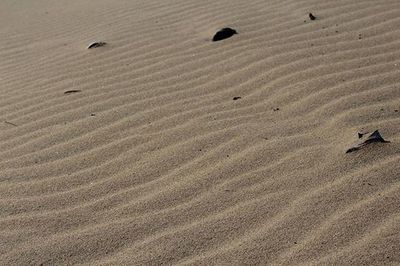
(96, 44)
(223, 34)
(366, 139)
(71, 91)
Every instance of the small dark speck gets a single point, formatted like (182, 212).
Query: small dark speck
(227, 156)
(295, 242)
(337, 31)
(381, 109)
(311, 16)
(396, 111)
(276, 109)
(92, 114)
(200, 150)
(237, 98)
(369, 184)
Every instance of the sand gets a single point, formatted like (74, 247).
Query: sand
(150, 161)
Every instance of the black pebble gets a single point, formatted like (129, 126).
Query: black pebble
(275, 109)
(312, 17)
(237, 98)
(224, 34)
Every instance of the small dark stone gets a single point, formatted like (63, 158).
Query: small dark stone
(92, 114)
(237, 98)
(96, 44)
(396, 111)
(224, 34)
(311, 16)
(71, 91)
(276, 109)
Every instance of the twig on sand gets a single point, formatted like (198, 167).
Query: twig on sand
(10, 123)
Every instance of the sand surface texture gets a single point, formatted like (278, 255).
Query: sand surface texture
(152, 162)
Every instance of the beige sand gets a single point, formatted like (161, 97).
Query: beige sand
(154, 163)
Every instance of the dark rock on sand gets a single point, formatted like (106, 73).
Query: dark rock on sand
(224, 34)
(237, 98)
(311, 16)
(366, 139)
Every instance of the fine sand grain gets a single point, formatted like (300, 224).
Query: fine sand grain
(163, 147)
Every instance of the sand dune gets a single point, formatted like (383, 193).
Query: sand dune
(152, 162)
